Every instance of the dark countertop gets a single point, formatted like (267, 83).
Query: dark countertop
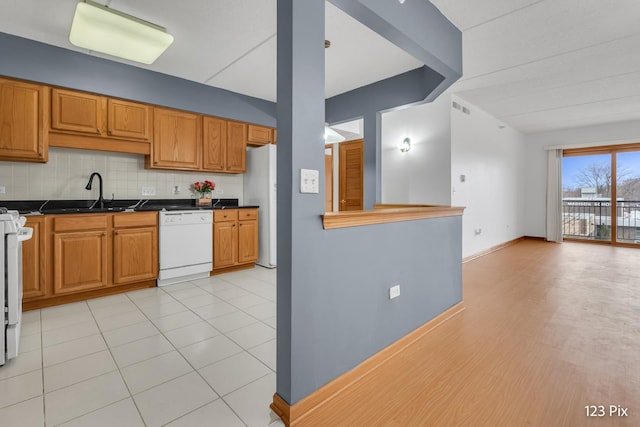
(118, 205)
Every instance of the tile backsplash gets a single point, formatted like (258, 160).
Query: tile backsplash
(67, 172)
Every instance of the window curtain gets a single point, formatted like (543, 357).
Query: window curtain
(554, 195)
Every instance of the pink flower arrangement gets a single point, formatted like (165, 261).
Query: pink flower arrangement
(204, 187)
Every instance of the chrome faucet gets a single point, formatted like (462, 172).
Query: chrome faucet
(100, 200)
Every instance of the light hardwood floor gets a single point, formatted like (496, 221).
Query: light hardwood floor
(548, 329)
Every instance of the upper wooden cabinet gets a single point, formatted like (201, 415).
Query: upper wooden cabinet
(80, 112)
(76, 111)
(236, 146)
(224, 145)
(23, 121)
(95, 122)
(177, 140)
(126, 119)
(259, 135)
(214, 137)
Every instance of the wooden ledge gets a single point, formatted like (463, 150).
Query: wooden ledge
(387, 213)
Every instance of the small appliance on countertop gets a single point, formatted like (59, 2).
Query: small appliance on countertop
(12, 234)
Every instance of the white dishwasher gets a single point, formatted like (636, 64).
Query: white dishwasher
(186, 245)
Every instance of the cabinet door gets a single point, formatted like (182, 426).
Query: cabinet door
(247, 241)
(23, 134)
(79, 261)
(225, 244)
(177, 142)
(129, 120)
(33, 267)
(135, 254)
(259, 135)
(76, 111)
(214, 140)
(236, 146)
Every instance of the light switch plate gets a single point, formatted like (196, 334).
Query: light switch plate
(309, 181)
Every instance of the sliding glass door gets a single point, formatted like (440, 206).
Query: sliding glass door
(628, 197)
(586, 197)
(601, 195)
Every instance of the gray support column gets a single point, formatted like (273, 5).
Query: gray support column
(300, 116)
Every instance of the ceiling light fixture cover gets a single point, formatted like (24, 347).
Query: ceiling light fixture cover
(331, 136)
(105, 30)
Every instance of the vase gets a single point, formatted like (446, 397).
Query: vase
(204, 199)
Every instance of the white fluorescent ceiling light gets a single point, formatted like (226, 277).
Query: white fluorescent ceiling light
(331, 136)
(101, 29)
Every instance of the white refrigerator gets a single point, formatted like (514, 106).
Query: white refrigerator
(260, 189)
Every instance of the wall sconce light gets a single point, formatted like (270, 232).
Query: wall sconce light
(406, 145)
(102, 29)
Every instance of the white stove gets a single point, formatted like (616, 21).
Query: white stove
(12, 234)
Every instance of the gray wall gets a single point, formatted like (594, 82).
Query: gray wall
(39, 62)
(420, 29)
(333, 285)
(413, 87)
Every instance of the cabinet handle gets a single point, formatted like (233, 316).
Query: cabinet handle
(99, 131)
(109, 132)
(104, 234)
(116, 233)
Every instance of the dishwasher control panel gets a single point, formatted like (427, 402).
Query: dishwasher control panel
(185, 217)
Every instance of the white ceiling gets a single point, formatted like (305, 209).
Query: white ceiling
(548, 64)
(534, 64)
(231, 44)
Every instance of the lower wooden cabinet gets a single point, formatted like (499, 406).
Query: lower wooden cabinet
(80, 261)
(135, 248)
(235, 238)
(33, 256)
(247, 235)
(74, 257)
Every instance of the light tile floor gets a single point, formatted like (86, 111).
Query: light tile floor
(199, 353)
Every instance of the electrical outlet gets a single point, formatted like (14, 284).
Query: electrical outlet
(394, 292)
(478, 231)
(3, 189)
(148, 191)
(218, 191)
(177, 189)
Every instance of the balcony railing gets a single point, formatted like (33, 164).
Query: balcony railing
(591, 219)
